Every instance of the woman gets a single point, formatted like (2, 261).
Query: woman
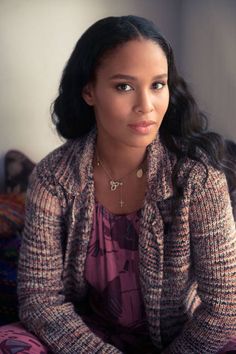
(129, 241)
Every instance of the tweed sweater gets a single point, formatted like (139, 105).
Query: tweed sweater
(187, 254)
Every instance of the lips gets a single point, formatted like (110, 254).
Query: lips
(142, 124)
(144, 127)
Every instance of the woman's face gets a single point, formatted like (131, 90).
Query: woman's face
(130, 94)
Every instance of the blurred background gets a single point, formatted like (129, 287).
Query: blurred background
(37, 37)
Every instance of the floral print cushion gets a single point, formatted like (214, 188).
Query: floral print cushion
(14, 339)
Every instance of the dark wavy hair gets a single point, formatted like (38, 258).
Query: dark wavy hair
(231, 162)
(184, 127)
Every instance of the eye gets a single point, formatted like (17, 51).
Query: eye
(124, 87)
(158, 85)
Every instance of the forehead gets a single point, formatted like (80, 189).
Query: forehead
(134, 57)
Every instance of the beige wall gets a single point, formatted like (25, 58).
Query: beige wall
(208, 52)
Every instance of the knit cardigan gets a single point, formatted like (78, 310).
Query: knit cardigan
(187, 251)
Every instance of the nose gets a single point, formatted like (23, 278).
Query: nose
(143, 103)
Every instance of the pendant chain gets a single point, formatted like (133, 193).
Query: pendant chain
(118, 183)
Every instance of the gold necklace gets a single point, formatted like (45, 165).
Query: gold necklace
(114, 184)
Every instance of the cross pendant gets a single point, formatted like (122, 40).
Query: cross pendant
(122, 203)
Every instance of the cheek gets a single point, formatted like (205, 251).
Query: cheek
(112, 108)
(106, 102)
(109, 115)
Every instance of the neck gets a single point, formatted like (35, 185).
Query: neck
(120, 160)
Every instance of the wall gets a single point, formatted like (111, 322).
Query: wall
(37, 38)
(208, 52)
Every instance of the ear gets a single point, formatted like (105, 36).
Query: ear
(87, 94)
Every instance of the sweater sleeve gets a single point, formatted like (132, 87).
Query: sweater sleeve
(42, 305)
(213, 249)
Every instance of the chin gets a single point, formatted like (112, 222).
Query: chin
(142, 142)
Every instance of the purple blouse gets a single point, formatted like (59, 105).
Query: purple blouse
(112, 273)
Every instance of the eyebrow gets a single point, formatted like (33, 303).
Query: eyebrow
(129, 77)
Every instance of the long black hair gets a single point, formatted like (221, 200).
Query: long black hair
(184, 128)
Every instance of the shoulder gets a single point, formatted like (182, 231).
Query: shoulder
(51, 163)
(44, 178)
(205, 183)
(200, 173)
(66, 165)
(67, 155)
(203, 174)
(57, 160)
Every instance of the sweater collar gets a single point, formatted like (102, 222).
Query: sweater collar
(160, 167)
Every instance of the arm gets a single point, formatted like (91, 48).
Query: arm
(213, 243)
(42, 306)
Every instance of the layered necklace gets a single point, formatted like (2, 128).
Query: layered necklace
(114, 184)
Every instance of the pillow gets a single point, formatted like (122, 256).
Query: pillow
(12, 210)
(18, 168)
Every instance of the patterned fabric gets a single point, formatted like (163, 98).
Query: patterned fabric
(14, 339)
(112, 268)
(111, 271)
(12, 212)
(187, 254)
